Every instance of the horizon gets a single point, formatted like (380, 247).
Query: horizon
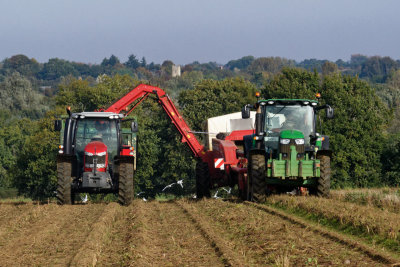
(206, 31)
(219, 63)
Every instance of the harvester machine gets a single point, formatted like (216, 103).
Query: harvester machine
(284, 153)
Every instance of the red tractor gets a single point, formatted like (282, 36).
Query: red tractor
(96, 155)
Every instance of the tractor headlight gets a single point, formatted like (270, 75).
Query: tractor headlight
(284, 141)
(299, 141)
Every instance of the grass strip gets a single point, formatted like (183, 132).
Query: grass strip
(341, 225)
(374, 225)
(379, 256)
(382, 198)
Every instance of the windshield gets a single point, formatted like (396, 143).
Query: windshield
(96, 129)
(296, 117)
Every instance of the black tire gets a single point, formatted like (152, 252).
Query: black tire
(324, 181)
(258, 185)
(64, 193)
(202, 180)
(125, 183)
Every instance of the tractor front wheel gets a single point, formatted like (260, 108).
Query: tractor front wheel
(324, 181)
(125, 183)
(202, 180)
(322, 188)
(258, 185)
(64, 193)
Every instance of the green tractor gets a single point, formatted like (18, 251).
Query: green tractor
(286, 152)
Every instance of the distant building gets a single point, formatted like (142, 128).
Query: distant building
(44, 87)
(176, 70)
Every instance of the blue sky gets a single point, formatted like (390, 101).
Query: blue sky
(207, 30)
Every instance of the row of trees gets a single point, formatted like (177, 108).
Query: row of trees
(364, 134)
(357, 134)
(376, 69)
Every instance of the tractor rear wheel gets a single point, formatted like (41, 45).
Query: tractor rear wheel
(258, 185)
(324, 181)
(202, 180)
(125, 183)
(64, 193)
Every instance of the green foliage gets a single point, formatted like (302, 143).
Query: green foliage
(329, 68)
(17, 96)
(80, 96)
(22, 64)
(241, 63)
(112, 61)
(56, 68)
(186, 81)
(390, 94)
(7, 193)
(377, 68)
(312, 64)
(391, 161)
(269, 64)
(212, 98)
(293, 83)
(132, 62)
(34, 173)
(357, 131)
(12, 138)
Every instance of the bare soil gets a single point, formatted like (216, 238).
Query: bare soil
(174, 233)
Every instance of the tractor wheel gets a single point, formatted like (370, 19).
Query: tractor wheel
(64, 193)
(125, 183)
(258, 185)
(202, 180)
(324, 181)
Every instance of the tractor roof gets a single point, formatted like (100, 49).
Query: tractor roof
(289, 102)
(110, 115)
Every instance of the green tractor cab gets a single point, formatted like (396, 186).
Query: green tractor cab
(286, 152)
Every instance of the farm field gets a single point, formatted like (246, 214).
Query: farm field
(285, 231)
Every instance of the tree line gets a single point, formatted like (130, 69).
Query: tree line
(364, 134)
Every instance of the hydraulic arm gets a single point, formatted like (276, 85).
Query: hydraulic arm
(140, 93)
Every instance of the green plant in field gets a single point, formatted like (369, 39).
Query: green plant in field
(165, 197)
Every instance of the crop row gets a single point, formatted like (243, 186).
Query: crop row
(383, 198)
(383, 225)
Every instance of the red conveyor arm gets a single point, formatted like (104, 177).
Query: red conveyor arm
(140, 93)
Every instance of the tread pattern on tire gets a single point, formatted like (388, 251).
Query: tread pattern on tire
(324, 181)
(126, 183)
(257, 176)
(64, 194)
(202, 180)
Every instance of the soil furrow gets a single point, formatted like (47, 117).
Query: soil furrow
(53, 239)
(228, 257)
(22, 219)
(265, 239)
(116, 247)
(89, 253)
(375, 255)
(163, 235)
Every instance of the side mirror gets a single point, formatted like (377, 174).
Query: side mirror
(329, 112)
(57, 125)
(246, 112)
(134, 127)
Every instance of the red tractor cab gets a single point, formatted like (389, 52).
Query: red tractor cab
(93, 156)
